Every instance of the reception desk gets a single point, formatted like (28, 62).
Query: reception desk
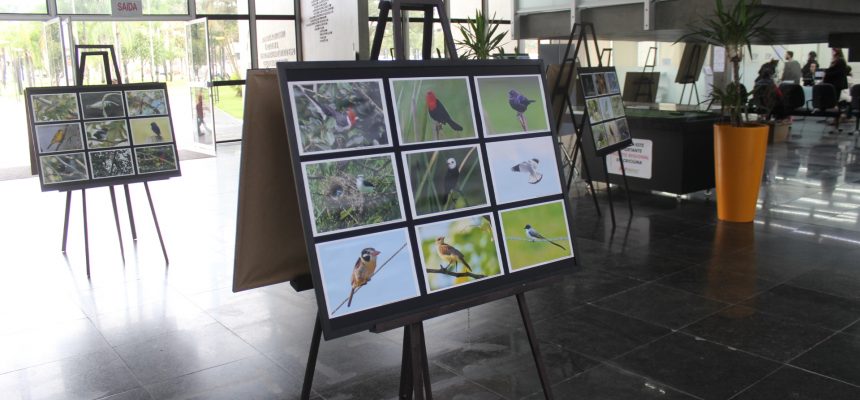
(673, 152)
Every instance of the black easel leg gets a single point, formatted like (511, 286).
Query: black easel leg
(155, 219)
(86, 232)
(130, 212)
(609, 191)
(66, 223)
(577, 149)
(626, 186)
(530, 333)
(116, 219)
(428, 391)
(415, 350)
(406, 367)
(312, 360)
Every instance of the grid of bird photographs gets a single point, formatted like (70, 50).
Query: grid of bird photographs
(394, 217)
(86, 136)
(512, 104)
(433, 109)
(332, 116)
(605, 108)
(351, 193)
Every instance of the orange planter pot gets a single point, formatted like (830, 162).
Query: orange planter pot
(738, 163)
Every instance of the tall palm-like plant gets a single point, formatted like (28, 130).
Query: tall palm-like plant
(734, 29)
(479, 37)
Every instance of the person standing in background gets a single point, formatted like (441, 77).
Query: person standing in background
(809, 69)
(791, 71)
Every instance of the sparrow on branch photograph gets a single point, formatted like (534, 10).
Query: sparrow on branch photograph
(351, 193)
(339, 115)
(536, 235)
(153, 159)
(459, 251)
(523, 169)
(102, 105)
(364, 272)
(105, 134)
(512, 104)
(445, 180)
(63, 168)
(54, 107)
(150, 130)
(433, 109)
(142, 103)
(59, 137)
(111, 163)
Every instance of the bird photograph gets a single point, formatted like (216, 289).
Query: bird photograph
(367, 271)
(523, 169)
(150, 130)
(54, 107)
(106, 134)
(59, 137)
(600, 83)
(433, 109)
(102, 105)
(617, 106)
(350, 193)
(536, 235)
(155, 159)
(63, 168)
(512, 104)
(530, 168)
(111, 163)
(588, 88)
(445, 180)
(612, 82)
(601, 139)
(595, 115)
(331, 116)
(142, 103)
(458, 251)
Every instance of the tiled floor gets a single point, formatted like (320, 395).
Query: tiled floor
(670, 305)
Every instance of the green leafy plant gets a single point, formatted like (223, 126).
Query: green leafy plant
(480, 38)
(734, 29)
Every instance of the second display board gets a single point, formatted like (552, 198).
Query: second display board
(423, 186)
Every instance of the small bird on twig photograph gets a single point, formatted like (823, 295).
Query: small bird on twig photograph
(450, 255)
(364, 268)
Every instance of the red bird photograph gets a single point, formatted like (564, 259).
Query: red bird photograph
(433, 109)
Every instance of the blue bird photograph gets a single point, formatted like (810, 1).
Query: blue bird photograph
(512, 104)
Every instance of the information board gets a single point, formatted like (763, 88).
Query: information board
(90, 136)
(423, 186)
(605, 109)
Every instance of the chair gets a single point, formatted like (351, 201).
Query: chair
(855, 106)
(824, 98)
(793, 96)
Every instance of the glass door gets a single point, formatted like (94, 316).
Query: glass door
(200, 82)
(57, 52)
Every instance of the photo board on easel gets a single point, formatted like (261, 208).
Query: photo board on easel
(423, 186)
(92, 136)
(605, 109)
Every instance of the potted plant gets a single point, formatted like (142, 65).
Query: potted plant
(739, 145)
(480, 38)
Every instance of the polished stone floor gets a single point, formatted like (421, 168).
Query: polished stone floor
(670, 305)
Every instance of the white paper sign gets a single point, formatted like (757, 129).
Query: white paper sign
(719, 59)
(126, 8)
(637, 159)
(329, 30)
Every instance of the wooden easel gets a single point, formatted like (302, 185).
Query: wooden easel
(415, 369)
(579, 33)
(80, 68)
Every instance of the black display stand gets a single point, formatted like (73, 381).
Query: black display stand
(688, 73)
(415, 370)
(646, 79)
(80, 68)
(580, 33)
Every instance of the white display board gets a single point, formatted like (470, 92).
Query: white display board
(329, 30)
(638, 159)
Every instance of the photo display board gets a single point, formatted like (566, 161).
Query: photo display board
(605, 109)
(91, 136)
(423, 186)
